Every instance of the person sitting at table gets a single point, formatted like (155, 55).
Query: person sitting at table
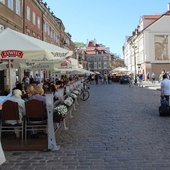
(30, 90)
(45, 86)
(7, 90)
(54, 91)
(21, 87)
(38, 94)
(16, 97)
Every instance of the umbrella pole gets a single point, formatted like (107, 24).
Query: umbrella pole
(10, 77)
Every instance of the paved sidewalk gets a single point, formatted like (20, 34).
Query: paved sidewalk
(152, 86)
(117, 128)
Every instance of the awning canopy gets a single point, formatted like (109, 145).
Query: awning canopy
(120, 70)
(18, 46)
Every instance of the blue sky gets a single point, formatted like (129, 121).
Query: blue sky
(109, 22)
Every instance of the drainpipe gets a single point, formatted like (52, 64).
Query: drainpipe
(23, 4)
(42, 26)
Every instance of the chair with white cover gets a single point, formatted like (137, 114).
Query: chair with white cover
(10, 113)
(36, 118)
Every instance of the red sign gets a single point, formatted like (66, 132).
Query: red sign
(12, 53)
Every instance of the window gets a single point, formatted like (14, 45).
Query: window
(105, 58)
(38, 22)
(1, 27)
(10, 4)
(33, 18)
(17, 7)
(49, 30)
(52, 33)
(34, 35)
(28, 31)
(45, 29)
(28, 13)
(56, 37)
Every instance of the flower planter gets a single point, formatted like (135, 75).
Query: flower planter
(57, 118)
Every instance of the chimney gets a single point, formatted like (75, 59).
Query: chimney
(168, 6)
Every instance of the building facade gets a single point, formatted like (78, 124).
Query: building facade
(34, 18)
(98, 57)
(148, 49)
(11, 15)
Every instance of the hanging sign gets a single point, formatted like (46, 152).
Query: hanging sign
(12, 53)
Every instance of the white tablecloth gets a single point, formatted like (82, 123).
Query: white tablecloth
(2, 156)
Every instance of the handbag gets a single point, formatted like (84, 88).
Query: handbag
(164, 102)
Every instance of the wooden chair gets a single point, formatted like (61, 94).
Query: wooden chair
(10, 111)
(36, 118)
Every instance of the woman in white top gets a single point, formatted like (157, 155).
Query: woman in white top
(16, 97)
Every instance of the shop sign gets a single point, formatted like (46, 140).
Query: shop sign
(11, 53)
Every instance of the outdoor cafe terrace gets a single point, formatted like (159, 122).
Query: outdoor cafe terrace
(58, 113)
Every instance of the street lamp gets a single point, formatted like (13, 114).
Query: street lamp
(134, 52)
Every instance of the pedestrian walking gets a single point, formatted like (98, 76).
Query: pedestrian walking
(105, 78)
(140, 80)
(165, 87)
(96, 78)
(153, 77)
(37, 78)
(148, 76)
(109, 78)
(131, 80)
(100, 79)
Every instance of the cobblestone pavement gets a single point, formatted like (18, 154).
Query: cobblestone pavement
(117, 128)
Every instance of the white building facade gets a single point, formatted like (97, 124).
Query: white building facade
(148, 49)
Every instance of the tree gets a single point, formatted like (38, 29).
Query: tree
(79, 45)
(118, 62)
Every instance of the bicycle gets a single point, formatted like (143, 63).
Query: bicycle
(84, 95)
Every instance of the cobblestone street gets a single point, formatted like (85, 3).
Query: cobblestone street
(116, 128)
